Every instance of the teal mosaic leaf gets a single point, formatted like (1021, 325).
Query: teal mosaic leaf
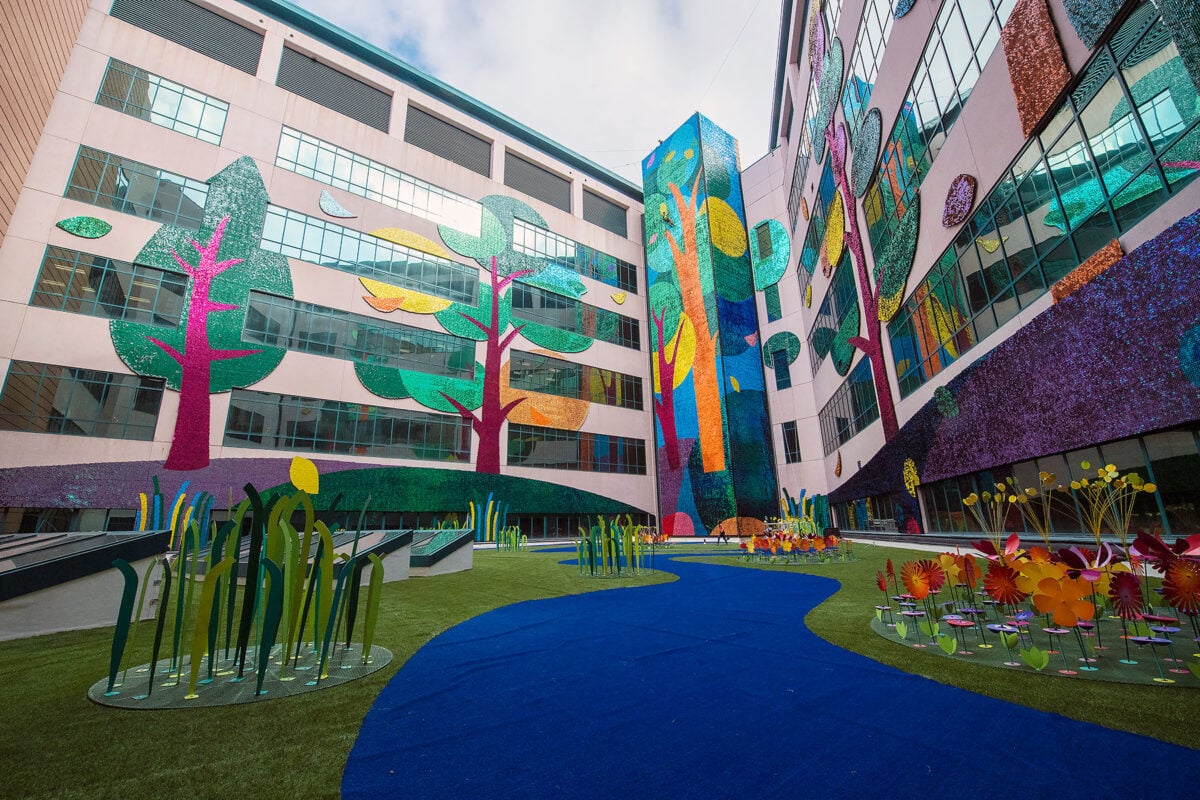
(85, 227)
(381, 380)
(427, 389)
(332, 207)
(1181, 19)
(769, 269)
(893, 267)
(491, 241)
(785, 341)
(555, 339)
(842, 351)
(866, 152)
(903, 7)
(1089, 18)
(829, 91)
(947, 406)
(557, 279)
(822, 341)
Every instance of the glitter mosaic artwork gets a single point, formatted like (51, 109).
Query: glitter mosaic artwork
(960, 199)
(1103, 258)
(835, 236)
(84, 227)
(785, 341)
(866, 152)
(837, 467)
(1182, 18)
(804, 208)
(829, 91)
(768, 270)
(332, 207)
(841, 351)
(893, 267)
(1036, 65)
(1090, 18)
(946, 405)
(204, 353)
(709, 380)
(1123, 378)
(903, 7)
(911, 479)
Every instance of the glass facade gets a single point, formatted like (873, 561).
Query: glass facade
(851, 409)
(308, 424)
(1169, 459)
(810, 253)
(574, 256)
(131, 187)
(534, 304)
(44, 398)
(873, 30)
(82, 283)
(552, 448)
(308, 328)
(330, 245)
(315, 158)
(541, 373)
(1124, 140)
(964, 36)
(151, 97)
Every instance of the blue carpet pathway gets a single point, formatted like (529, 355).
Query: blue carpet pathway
(712, 687)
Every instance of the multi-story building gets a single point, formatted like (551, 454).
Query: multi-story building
(235, 234)
(992, 207)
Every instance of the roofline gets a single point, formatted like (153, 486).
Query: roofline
(353, 46)
(785, 29)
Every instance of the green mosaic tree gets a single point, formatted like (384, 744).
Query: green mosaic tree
(203, 353)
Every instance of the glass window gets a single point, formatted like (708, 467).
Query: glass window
(151, 97)
(128, 186)
(82, 283)
(783, 374)
(552, 448)
(541, 373)
(791, 443)
(43, 398)
(851, 409)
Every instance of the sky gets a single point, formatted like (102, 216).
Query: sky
(605, 78)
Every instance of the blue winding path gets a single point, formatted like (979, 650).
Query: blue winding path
(712, 687)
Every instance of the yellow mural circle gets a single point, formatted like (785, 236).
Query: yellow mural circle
(728, 233)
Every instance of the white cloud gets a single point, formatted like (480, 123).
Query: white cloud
(606, 78)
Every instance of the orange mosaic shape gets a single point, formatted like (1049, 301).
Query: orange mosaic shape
(1036, 66)
(1101, 260)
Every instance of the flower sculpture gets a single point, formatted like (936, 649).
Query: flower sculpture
(1066, 599)
(1125, 593)
(1181, 586)
(922, 577)
(1001, 583)
(1030, 574)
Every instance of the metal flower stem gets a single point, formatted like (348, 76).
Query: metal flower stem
(1099, 638)
(1079, 641)
(1125, 636)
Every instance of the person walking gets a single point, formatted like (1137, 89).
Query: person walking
(721, 534)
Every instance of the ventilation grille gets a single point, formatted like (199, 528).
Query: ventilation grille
(335, 90)
(448, 141)
(536, 182)
(195, 28)
(605, 213)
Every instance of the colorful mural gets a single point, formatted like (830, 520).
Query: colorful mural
(713, 435)
(204, 353)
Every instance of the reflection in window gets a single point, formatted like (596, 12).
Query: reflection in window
(851, 409)
(552, 448)
(873, 30)
(82, 283)
(308, 328)
(151, 97)
(1099, 168)
(534, 304)
(311, 239)
(288, 422)
(43, 398)
(839, 301)
(128, 186)
(535, 372)
(579, 258)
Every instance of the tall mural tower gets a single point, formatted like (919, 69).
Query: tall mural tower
(712, 431)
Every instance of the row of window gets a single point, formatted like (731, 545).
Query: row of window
(874, 27)
(131, 187)
(840, 300)
(1169, 459)
(964, 36)
(1120, 144)
(290, 422)
(163, 102)
(44, 398)
(553, 448)
(574, 256)
(308, 328)
(541, 373)
(535, 304)
(851, 409)
(82, 283)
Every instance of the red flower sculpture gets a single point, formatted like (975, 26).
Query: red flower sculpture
(1181, 586)
(881, 581)
(1001, 583)
(970, 570)
(1125, 592)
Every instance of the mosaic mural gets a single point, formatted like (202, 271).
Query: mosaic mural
(709, 390)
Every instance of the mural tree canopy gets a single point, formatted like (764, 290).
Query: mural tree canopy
(204, 353)
(480, 399)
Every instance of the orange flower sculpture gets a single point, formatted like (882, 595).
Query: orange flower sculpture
(1001, 584)
(1031, 573)
(1066, 599)
(970, 570)
(1181, 586)
(1125, 592)
(818, 543)
(922, 577)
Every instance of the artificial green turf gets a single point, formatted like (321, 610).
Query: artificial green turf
(55, 743)
(1163, 712)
